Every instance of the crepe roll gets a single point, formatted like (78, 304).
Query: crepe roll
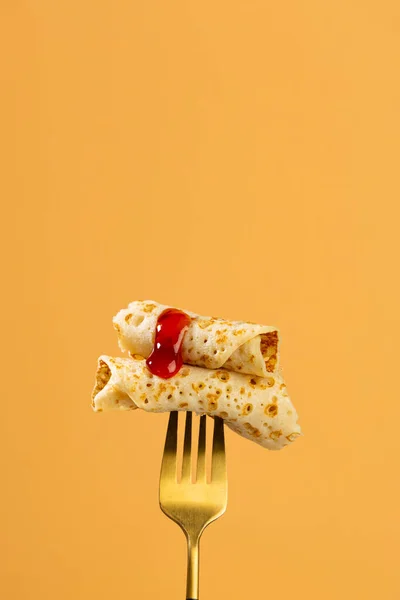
(257, 408)
(209, 342)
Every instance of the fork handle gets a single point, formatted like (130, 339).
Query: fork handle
(192, 586)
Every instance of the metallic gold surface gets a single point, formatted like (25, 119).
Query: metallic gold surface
(189, 498)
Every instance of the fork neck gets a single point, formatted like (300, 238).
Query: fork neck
(192, 587)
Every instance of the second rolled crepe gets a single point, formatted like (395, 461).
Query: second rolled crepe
(210, 342)
(256, 408)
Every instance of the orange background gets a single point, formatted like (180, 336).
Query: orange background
(236, 158)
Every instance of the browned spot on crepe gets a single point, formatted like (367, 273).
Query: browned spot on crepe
(223, 375)
(212, 402)
(292, 436)
(271, 410)
(204, 323)
(252, 430)
(148, 308)
(269, 349)
(198, 386)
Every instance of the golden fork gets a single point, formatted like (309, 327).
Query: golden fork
(193, 505)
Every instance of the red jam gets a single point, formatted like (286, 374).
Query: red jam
(165, 359)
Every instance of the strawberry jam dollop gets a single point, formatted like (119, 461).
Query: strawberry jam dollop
(165, 359)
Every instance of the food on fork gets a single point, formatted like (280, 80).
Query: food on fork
(257, 408)
(239, 379)
(209, 342)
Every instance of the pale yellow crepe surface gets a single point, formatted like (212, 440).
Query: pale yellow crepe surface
(255, 407)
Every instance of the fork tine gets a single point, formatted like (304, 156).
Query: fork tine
(168, 464)
(218, 471)
(201, 455)
(187, 448)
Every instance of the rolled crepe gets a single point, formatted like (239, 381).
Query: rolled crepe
(209, 342)
(257, 408)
